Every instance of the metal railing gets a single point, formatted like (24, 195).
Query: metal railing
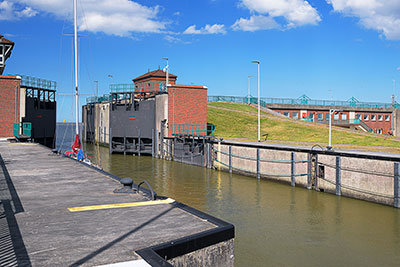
(300, 101)
(144, 87)
(26, 129)
(191, 130)
(33, 82)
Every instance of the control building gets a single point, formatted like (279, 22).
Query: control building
(135, 117)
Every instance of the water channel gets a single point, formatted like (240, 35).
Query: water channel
(276, 225)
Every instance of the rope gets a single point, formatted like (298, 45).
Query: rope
(357, 189)
(262, 160)
(359, 171)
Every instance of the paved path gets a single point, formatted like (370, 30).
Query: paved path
(36, 228)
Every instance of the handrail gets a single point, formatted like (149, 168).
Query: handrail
(153, 194)
(300, 101)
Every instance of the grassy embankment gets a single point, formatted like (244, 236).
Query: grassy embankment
(239, 121)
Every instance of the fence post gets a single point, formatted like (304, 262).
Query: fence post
(230, 159)
(396, 193)
(316, 172)
(258, 163)
(152, 143)
(293, 170)
(110, 140)
(338, 176)
(309, 171)
(219, 155)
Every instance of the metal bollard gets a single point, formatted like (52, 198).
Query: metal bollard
(309, 169)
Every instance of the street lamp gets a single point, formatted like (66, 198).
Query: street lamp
(258, 65)
(166, 67)
(248, 88)
(331, 112)
(112, 80)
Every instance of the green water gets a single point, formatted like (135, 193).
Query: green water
(276, 225)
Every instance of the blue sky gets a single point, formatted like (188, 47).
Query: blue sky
(326, 49)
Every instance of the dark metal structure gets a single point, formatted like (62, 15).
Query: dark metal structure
(40, 109)
(132, 123)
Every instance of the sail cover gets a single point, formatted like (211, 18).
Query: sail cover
(77, 144)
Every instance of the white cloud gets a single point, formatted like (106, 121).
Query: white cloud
(380, 15)
(295, 13)
(8, 11)
(113, 17)
(255, 23)
(208, 29)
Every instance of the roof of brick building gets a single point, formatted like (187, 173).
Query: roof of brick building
(5, 41)
(155, 73)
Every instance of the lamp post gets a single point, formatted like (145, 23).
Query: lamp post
(248, 88)
(258, 65)
(167, 75)
(112, 80)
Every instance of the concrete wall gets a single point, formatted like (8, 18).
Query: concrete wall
(361, 178)
(279, 170)
(9, 104)
(218, 255)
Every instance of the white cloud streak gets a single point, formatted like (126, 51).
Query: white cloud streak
(113, 17)
(295, 12)
(380, 15)
(208, 29)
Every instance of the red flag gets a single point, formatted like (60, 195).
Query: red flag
(77, 144)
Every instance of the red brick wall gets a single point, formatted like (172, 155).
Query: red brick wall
(9, 85)
(187, 105)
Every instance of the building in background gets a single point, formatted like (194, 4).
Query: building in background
(27, 104)
(381, 118)
(135, 117)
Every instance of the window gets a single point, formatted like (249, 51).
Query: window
(320, 116)
(366, 117)
(379, 131)
(373, 117)
(312, 115)
(380, 117)
(358, 116)
(295, 115)
(387, 117)
(336, 116)
(286, 114)
(327, 116)
(344, 116)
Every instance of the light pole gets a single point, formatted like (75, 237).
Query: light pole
(112, 79)
(248, 88)
(258, 65)
(167, 78)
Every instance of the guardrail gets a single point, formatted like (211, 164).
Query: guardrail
(33, 82)
(189, 129)
(300, 101)
(363, 175)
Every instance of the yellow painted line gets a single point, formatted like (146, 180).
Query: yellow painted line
(122, 205)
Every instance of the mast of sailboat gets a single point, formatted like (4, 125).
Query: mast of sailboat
(76, 69)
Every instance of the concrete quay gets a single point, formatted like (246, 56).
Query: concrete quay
(55, 211)
(371, 176)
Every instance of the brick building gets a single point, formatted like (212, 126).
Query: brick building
(135, 116)
(9, 104)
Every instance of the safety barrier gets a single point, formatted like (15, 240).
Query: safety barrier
(303, 100)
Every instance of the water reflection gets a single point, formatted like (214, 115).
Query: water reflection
(275, 223)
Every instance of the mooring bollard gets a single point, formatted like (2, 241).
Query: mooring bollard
(338, 176)
(396, 192)
(230, 159)
(293, 170)
(258, 163)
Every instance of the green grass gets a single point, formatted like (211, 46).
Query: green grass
(237, 124)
